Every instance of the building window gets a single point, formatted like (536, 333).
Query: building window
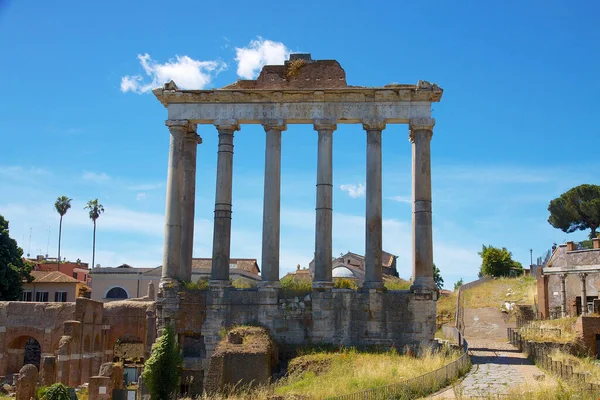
(75, 275)
(27, 295)
(232, 266)
(41, 297)
(60, 297)
(117, 293)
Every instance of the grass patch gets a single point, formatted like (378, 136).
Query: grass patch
(328, 374)
(546, 331)
(292, 286)
(200, 284)
(494, 293)
(583, 365)
(446, 306)
(396, 284)
(548, 391)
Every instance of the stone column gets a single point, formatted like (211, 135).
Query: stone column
(190, 147)
(222, 227)
(583, 277)
(172, 247)
(563, 294)
(421, 131)
(324, 210)
(373, 231)
(272, 204)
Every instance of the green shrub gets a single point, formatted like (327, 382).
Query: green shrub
(41, 392)
(291, 286)
(162, 370)
(58, 391)
(345, 283)
(396, 284)
(240, 283)
(201, 284)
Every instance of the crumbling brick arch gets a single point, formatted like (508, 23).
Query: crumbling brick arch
(23, 348)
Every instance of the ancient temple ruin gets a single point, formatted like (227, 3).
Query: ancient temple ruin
(303, 91)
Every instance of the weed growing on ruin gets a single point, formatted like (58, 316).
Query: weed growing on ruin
(345, 283)
(200, 284)
(58, 391)
(292, 287)
(161, 371)
(396, 284)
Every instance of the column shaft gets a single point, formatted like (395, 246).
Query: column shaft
(172, 245)
(324, 209)
(190, 146)
(421, 131)
(272, 204)
(563, 295)
(222, 227)
(583, 277)
(373, 229)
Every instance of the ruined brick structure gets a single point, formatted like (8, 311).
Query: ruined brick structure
(74, 338)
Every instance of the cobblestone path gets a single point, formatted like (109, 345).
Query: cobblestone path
(497, 366)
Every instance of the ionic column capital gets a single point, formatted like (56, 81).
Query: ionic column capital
(274, 124)
(324, 125)
(181, 124)
(562, 277)
(420, 125)
(228, 126)
(583, 276)
(373, 124)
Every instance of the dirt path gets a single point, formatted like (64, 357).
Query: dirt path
(497, 365)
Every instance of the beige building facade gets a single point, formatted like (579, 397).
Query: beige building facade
(53, 286)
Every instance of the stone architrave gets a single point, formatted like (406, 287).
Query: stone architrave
(27, 382)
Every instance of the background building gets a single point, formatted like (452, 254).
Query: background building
(53, 286)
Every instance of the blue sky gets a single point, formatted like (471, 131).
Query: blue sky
(516, 126)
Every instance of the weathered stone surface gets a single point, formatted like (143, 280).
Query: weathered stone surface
(48, 371)
(241, 348)
(27, 382)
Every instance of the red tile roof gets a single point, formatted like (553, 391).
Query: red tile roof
(52, 277)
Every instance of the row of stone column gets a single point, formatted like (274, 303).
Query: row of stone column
(563, 293)
(181, 195)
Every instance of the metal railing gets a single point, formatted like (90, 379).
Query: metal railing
(418, 386)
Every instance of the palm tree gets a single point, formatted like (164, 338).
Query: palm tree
(95, 209)
(62, 205)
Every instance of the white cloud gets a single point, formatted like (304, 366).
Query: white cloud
(354, 191)
(95, 177)
(140, 196)
(186, 72)
(401, 199)
(259, 52)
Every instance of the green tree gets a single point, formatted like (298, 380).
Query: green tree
(577, 209)
(162, 370)
(437, 277)
(498, 262)
(95, 209)
(13, 269)
(458, 284)
(62, 205)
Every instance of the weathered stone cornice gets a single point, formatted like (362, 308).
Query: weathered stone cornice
(391, 93)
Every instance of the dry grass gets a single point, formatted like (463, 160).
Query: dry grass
(446, 306)
(548, 391)
(580, 364)
(350, 371)
(545, 331)
(494, 293)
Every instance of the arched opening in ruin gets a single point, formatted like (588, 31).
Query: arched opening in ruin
(23, 350)
(129, 349)
(116, 293)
